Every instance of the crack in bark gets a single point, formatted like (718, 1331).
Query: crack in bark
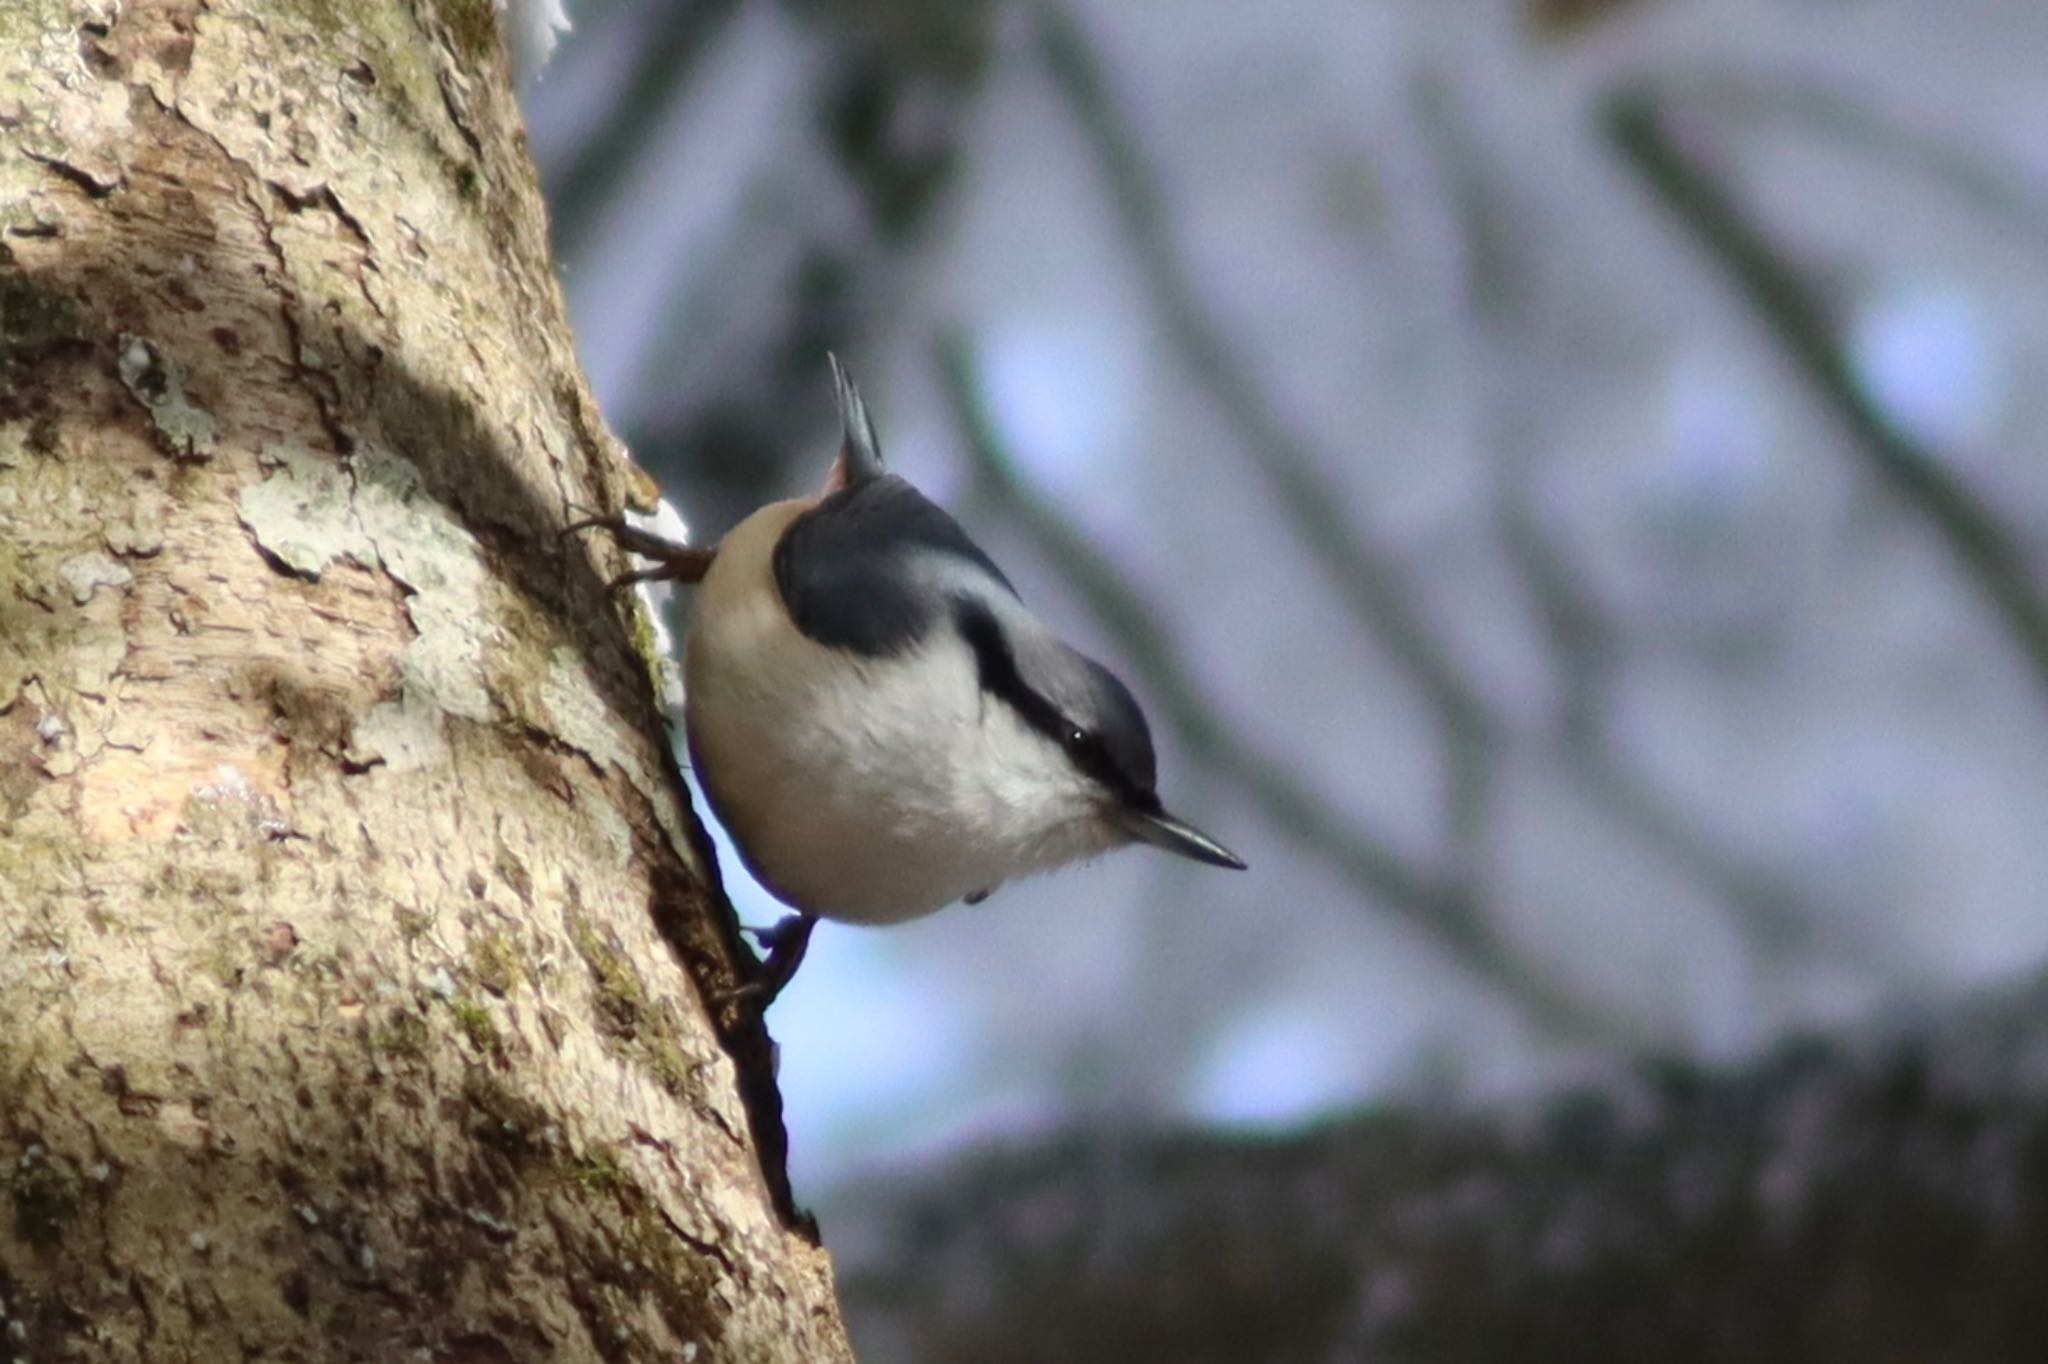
(324, 196)
(95, 186)
(711, 1249)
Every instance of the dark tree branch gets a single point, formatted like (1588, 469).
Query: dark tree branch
(1703, 206)
(1878, 1199)
(1998, 191)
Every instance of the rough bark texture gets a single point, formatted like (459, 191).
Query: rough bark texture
(338, 839)
(1880, 1200)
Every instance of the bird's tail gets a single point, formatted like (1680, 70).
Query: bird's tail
(860, 458)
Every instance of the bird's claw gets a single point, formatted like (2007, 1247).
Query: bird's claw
(673, 560)
(786, 940)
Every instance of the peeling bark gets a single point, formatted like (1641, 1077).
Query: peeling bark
(343, 873)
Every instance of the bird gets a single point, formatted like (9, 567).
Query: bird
(880, 723)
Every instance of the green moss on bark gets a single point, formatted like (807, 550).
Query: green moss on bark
(473, 27)
(637, 1027)
(495, 960)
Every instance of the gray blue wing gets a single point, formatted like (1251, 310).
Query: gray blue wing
(872, 568)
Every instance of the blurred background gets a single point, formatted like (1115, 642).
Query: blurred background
(1560, 473)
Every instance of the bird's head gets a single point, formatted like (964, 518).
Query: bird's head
(1086, 713)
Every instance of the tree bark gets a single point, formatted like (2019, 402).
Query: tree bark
(343, 873)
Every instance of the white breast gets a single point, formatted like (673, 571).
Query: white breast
(872, 790)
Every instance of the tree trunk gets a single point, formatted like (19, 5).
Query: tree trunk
(343, 874)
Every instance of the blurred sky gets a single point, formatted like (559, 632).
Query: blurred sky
(1755, 748)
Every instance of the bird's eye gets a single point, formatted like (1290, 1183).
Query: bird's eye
(1076, 737)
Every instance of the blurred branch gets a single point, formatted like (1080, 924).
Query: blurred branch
(1581, 637)
(1567, 18)
(1772, 912)
(1876, 1197)
(1366, 579)
(675, 34)
(1996, 191)
(1443, 914)
(1770, 909)
(1634, 124)
(1577, 629)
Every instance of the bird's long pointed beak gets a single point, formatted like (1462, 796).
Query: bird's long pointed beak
(1178, 836)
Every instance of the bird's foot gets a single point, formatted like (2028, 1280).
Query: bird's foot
(673, 560)
(786, 940)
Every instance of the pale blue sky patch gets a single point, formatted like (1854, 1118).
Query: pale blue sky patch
(1061, 390)
(1934, 360)
(1720, 449)
(1274, 1065)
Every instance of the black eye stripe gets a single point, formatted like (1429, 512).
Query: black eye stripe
(999, 677)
